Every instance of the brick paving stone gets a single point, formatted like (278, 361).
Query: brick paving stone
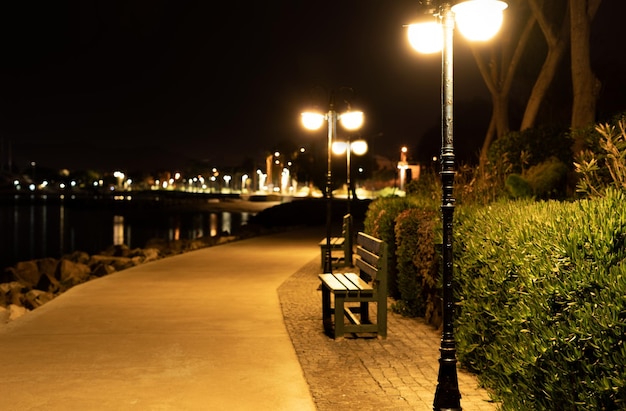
(394, 374)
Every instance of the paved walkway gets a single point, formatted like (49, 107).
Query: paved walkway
(205, 331)
(396, 373)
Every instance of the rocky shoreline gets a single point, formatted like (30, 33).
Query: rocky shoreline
(29, 284)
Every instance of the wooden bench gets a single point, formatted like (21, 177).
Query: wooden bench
(340, 247)
(352, 293)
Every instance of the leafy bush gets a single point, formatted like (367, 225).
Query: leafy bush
(604, 164)
(548, 178)
(427, 186)
(531, 147)
(518, 187)
(474, 185)
(418, 265)
(380, 222)
(542, 302)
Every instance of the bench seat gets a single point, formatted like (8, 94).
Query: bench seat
(349, 295)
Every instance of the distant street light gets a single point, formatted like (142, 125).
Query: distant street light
(244, 181)
(350, 120)
(120, 178)
(358, 147)
(477, 20)
(227, 179)
(402, 166)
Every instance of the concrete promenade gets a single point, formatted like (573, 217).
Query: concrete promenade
(231, 327)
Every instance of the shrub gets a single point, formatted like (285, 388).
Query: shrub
(542, 302)
(518, 187)
(604, 164)
(427, 186)
(532, 146)
(418, 265)
(548, 179)
(380, 222)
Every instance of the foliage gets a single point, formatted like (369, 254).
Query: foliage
(475, 186)
(380, 222)
(427, 186)
(530, 147)
(545, 180)
(518, 187)
(548, 179)
(604, 163)
(542, 301)
(418, 265)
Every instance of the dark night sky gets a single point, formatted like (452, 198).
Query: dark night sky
(154, 84)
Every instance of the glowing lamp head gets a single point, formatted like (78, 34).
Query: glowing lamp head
(359, 147)
(312, 121)
(339, 147)
(479, 20)
(352, 120)
(426, 38)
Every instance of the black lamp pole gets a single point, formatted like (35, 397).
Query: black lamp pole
(447, 396)
(332, 130)
(350, 120)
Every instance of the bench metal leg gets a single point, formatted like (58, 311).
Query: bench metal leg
(339, 321)
(326, 310)
(365, 313)
(381, 318)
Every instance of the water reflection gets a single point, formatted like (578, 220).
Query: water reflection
(213, 222)
(118, 230)
(30, 232)
(178, 229)
(226, 222)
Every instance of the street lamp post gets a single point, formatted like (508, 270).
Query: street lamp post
(486, 17)
(402, 166)
(350, 120)
(358, 147)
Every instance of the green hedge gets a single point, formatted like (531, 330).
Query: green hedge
(418, 265)
(380, 222)
(541, 291)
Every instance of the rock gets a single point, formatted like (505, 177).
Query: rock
(119, 263)
(77, 257)
(36, 298)
(149, 254)
(119, 250)
(16, 311)
(70, 273)
(47, 266)
(26, 272)
(49, 283)
(13, 292)
(101, 269)
(223, 240)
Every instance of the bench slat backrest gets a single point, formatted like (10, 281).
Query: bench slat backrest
(372, 260)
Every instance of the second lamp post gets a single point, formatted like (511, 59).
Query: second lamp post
(350, 120)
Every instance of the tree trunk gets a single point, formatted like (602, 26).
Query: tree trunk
(498, 75)
(585, 85)
(557, 45)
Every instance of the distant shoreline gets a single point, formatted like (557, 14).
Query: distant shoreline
(144, 200)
